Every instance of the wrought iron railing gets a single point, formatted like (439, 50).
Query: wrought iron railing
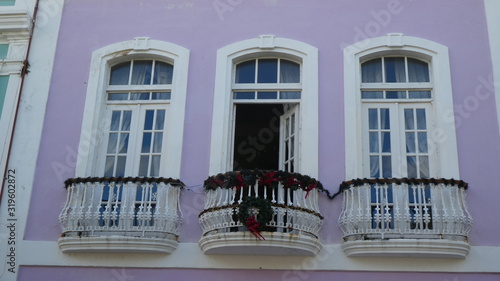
(136, 207)
(292, 197)
(404, 208)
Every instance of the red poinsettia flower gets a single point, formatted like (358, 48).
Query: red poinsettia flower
(268, 179)
(239, 182)
(291, 182)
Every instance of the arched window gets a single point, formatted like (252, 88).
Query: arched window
(266, 97)
(130, 108)
(398, 100)
(396, 96)
(137, 99)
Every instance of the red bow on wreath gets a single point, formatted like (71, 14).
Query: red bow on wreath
(309, 188)
(253, 226)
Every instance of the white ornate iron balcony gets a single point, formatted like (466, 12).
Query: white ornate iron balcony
(120, 215)
(405, 217)
(293, 224)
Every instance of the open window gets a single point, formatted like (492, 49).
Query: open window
(262, 110)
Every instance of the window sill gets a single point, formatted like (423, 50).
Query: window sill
(421, 248)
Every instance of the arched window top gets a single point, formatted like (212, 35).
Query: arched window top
(395, 69)
(141, 72)
(267, 70)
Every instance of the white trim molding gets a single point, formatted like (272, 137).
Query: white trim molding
(492, 8)
(102, 59)
(265, 45)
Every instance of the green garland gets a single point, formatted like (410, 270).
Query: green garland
(265, 211)
(243, 178)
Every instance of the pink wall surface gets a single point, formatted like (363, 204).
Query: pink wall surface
(205, 26)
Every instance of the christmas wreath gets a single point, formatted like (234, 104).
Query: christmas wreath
(265, 215)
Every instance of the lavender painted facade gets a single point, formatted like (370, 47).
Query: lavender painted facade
(203, 28)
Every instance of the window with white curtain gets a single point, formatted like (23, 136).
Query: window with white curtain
(137, 103)
(396, 94)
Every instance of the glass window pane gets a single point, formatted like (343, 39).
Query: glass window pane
(371, 71)
(139, 96)
(386, 142)
(374, 146)
(4, 49)
(123, 143)
(385, 122)
(158, 138)
(395, 94)
(420, 94)
(410, 142)
(424, 166)
(395, 70)
(289, 95)
(387, 166)
(372, 95)
(112, 143)
(292, 147)
(160, 119)
(120, 74)
(422, 142)
(148, 121)
(7, 2)
(245, 72)
(409, 119)
(267, 95)
(374, 167)
(143, 166)
(155, 166)
(267, 71)
(163, 73)
(372, 119)
(146, 143)
(118, 96)
(4, 81)
(120, 166)
(161, 96)
(115, 120)
(418, 71)
(127, 115)
(109, 166)
(292, 129)
(244, 95)
(289, 72)
(141, 72)
(411, 163)
(421, 120)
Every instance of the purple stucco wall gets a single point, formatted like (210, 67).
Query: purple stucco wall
(88, 25)
(107, 274)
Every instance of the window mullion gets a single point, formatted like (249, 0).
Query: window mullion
(135, 139)
(130, 72)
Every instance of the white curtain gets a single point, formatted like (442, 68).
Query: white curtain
(141, 72)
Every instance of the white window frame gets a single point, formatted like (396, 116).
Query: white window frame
(93, 133)
(265, 46)
(443, 134)
(17, 38)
